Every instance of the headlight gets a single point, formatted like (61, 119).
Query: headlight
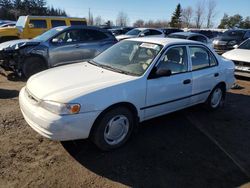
(61, 108)
(232, 42)
(215, 41)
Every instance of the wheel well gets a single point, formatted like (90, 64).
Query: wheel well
(37, 56)
(127, 105)
(223, 85)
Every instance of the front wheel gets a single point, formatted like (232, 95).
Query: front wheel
(33, 65)
(113, 129)
(216, 99)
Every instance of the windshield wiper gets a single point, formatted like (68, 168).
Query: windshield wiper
(111, 68)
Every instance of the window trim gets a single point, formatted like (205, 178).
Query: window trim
(207, 50)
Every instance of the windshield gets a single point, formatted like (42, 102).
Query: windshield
(21, 22)
(128, 57)
(133, 32)
(48, 34)
(237, 34)
(177, 36)
(245, 45)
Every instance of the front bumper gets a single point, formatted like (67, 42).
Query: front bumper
(53, 126)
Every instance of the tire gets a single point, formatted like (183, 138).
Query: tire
(33, 65)
(113, 128)
(216, 98)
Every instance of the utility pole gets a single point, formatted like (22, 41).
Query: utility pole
(89, 16)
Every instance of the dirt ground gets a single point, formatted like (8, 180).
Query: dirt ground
(190, 148)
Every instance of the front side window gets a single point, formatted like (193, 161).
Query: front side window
(75, 35)
(129, 57)
(155, 32)
(201, 58)
(175, 59)
(38, 23)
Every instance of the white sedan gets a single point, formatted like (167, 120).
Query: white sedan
(241, 57)
(133, 81)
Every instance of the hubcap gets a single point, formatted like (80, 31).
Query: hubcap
(216, 97)
(116, 129)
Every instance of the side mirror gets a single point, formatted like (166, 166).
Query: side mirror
(31, 26)
(55, 40)
(162, 73)
(142, 35)
(236, 46)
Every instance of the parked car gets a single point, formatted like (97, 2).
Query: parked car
(58, 46)
(241, 57)
(8, 24)
(28, 27)
(133, 81)
(120, 30)
(230, 38)
(141, 32)
(190, 36)
(168, 31)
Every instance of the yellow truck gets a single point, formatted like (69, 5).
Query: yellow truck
(28, 27)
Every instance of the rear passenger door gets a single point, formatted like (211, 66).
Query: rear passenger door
(205, 73)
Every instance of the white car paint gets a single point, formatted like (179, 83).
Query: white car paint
(241, 57)
(143, 30)
(96, 89)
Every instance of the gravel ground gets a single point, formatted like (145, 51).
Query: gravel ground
(190, 148)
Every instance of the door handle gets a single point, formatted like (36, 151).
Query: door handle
(188, 81)
(77, 46)
(216, 74)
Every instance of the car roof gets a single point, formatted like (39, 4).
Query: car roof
(187, 34)
(83, 27)
(163, 41)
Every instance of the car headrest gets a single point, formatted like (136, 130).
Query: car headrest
(173, 55)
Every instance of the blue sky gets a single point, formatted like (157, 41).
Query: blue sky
(144, 9)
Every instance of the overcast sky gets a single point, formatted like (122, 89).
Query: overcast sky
(144, 9)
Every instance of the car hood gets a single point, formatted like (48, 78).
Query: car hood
(238, 55)
(17, 44)
(122, 37)
(66, 83)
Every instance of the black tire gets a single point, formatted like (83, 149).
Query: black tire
(101, 127)
(33, 65)
(212, 105)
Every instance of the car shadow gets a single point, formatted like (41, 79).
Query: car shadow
(8, 94)
(165, 152)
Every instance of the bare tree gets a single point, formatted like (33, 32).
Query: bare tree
(187, 14)
(210, 12)
(199, 14)
(98, 21)
(122, 19)
(139, 23)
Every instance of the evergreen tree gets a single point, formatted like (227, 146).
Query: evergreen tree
(176, 18)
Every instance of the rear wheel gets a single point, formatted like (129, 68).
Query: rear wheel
(33, 65)
(113, 129)
(217, 98)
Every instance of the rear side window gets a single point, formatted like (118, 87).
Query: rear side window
(57, 23)
(38, 23)
(201, 58)
(78, 23)
(94, 35)
(155, 32)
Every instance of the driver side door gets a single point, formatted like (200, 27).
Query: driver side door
(169, 93)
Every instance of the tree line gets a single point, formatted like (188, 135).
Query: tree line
(12, 9)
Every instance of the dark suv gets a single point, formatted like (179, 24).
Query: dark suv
(58, 46)
(229, 39)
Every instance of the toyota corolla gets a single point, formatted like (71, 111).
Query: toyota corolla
(133, 81)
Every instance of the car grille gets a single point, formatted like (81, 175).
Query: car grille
(242, 66)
